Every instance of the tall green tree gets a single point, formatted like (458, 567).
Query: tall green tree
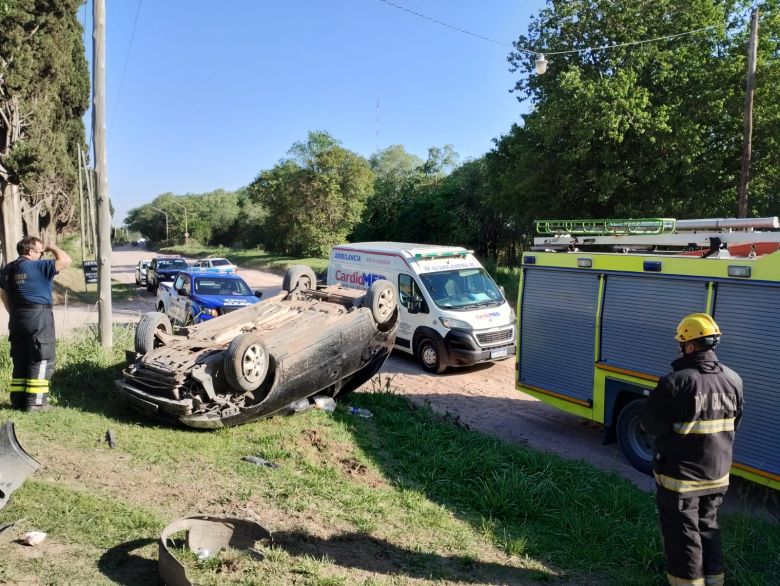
(314, 197)
(44, 90)
(651, 129)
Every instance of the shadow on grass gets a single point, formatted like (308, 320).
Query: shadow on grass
(591, 524)
(364, 552)
(123, 565)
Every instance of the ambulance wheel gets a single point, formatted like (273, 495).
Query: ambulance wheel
(299, 276)
(430, 355)
(636, 444)
(150, 324)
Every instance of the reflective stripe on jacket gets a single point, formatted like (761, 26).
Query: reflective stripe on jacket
(693, 413)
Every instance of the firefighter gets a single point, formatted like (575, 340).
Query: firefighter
(25, 289)
(693, 413)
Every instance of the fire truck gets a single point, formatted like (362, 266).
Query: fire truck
(599, 304)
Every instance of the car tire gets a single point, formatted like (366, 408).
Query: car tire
(382, 300)
(149, 286)
(245, 362)
(635, 443)
(430, 355)
(299, 276)
(150, 324)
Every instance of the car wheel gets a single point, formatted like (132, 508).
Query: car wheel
(299, 276)
(382, 300)
(430, 355)
(149, 287)
(636, 444)
(150, 324)
(246, 362)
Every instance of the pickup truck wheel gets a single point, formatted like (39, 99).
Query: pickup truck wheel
(430, 355)
(382, 300)
(299, 276)
(246, 362)
(150, 324)
(636, 444)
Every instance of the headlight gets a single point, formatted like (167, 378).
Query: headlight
(455, 324)
(212, 312)
(512, 316)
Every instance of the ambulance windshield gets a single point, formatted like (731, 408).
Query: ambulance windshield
(462, 289)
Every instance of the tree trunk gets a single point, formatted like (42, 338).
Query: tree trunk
(11, 211)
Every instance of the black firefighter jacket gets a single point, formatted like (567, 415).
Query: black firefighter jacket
(693, 413)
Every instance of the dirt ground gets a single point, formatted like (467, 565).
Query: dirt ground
(482, 397)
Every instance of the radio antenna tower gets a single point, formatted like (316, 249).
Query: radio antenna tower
(376, 146)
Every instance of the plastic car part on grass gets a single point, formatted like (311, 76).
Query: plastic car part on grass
(15, 464)
(207, 536)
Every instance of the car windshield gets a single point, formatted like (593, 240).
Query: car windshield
(219, 262)
(176, 263)
(214, 286)
(462, 289)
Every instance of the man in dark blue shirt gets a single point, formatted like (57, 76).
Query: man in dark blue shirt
(25, 289)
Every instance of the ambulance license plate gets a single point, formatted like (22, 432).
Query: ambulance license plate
(499, 353)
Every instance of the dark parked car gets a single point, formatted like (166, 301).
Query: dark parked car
(163, 268)
(258, 360)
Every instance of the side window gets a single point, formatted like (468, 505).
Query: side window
(405, 285)
(186, 283)
(179, 282)
(407, 288)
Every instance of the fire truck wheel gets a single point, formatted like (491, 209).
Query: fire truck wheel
(430, 355)
(635, 442)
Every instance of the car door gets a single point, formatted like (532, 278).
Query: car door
(176, 305)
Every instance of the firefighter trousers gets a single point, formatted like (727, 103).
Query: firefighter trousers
(691, 537)
(31, 335)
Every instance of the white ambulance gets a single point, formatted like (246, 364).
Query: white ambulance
(452, 313)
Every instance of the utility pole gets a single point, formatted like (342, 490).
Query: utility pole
(747, 147)
(186, 231)
(164, 213)
(105, 333)
(81, 211)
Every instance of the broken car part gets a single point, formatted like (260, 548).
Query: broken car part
(206, 536)
(15, 463)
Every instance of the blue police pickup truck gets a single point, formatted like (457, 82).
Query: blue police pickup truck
(195, 297)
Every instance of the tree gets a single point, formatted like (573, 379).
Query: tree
(44, 87)
(314, 197)
(652, 129)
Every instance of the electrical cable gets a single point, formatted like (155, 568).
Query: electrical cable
(531, 51)
(127, 59)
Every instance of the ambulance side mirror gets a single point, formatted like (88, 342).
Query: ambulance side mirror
(415, 304)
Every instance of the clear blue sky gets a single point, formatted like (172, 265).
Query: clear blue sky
(213, 93)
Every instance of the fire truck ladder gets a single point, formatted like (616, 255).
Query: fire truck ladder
(626, 234)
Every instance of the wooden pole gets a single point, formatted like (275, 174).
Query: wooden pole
(747, 147)
(81, 210)
(105, 333)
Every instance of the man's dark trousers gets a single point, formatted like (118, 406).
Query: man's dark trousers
(31, 334)
(691, 535)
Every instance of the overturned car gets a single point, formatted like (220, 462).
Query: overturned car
(258, 360)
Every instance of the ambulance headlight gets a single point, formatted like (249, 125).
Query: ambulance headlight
(455, 324)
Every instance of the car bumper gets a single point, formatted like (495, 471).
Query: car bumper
(462, 350)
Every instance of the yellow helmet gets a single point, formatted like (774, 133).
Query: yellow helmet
(696, 325)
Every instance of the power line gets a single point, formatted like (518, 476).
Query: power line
(531, 51)
(455, 28)
(127, 59)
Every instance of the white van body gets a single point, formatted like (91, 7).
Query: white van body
(451, 311)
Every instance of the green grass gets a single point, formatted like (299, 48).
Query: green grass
(253, 259)
(403, 497)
